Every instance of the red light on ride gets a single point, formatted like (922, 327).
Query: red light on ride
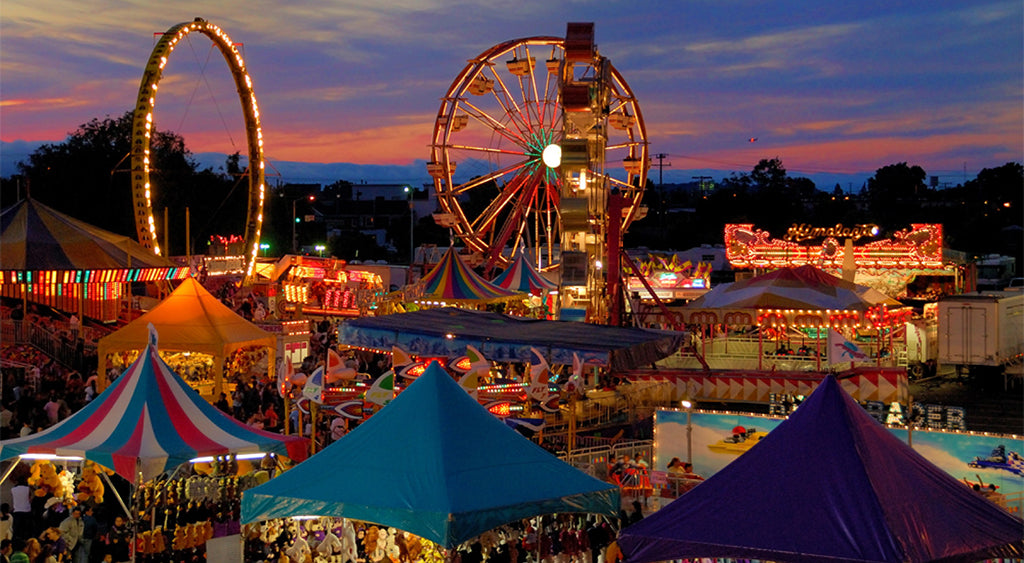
(502, 409)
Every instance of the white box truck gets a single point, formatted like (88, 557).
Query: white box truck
(981, 331)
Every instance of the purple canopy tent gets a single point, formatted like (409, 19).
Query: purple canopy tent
(828, 484)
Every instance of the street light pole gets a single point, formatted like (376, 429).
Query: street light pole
(412, 222)
(294, 237)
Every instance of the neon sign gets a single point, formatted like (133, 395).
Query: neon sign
(919, 247)
(671, 273)
(803, 231)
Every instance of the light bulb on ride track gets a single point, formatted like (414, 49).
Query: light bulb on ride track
(552, 156)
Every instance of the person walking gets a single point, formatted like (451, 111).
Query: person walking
(71, 530)
(21, 496)
(89, 530)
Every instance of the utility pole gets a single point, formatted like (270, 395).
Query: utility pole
(661, 189)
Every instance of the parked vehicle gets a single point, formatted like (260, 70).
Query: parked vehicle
(981, 332)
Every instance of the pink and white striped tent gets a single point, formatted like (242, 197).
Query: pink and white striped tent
(522, 276)
(149, 421)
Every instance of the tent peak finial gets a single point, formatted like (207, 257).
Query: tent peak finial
(153, 337)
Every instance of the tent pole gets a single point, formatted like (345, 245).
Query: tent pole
(817, 348)
(312, 426)
(287, 420)
(117, 495)
(10, 470)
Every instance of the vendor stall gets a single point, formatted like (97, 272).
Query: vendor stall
(191, 320)
(407, 455)
(50, 258)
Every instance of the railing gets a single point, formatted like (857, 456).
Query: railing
(66, 350)
(746, 353)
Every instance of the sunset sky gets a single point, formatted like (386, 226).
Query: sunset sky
(839, 88)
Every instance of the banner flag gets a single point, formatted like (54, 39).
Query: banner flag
(842, 350)
(382, 390)
(540, 373)
(285, 372)
(575, 383)
(314, 387)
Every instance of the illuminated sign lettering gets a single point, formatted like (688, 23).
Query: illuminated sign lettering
(803, 232)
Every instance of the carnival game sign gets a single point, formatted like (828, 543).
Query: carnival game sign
(920, 247)
(670, 273)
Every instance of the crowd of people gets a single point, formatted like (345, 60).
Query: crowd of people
(42, 530)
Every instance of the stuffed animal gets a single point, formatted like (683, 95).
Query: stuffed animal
(299, 551)
(330, 546)
(413, 546)
(370, 541)
(158, 543)
(145, 542)
(45, 479)
(180, 538)
(90, 487)
(349, 551)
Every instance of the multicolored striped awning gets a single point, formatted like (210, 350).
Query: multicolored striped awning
(36, 238)
(522, 276)
(149, 421)
(451, 281)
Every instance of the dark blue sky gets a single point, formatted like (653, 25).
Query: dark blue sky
(841, 88)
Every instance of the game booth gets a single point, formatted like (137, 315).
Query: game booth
(184, 462)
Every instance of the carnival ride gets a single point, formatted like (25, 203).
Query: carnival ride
(505, 120)
(142, 129)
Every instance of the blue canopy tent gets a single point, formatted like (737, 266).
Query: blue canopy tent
(435, 463)
(504, 338)
(828, 484)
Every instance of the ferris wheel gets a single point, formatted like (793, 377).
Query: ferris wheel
(496, 120)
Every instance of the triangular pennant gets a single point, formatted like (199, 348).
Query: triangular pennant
(540, 374)
(383, 389)
(314, 387)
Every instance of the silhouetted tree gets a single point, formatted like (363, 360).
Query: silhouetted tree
(86, 176)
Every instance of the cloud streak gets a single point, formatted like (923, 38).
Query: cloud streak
(834, 87)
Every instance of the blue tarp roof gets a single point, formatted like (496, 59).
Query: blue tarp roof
(828, 484)
(435, 463)
(504, 338)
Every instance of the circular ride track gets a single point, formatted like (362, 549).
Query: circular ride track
(496, 119)
(142, 128)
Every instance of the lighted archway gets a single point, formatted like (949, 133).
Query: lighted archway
(142, 127)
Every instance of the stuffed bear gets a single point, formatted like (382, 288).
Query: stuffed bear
(45, 479)
(90, 487)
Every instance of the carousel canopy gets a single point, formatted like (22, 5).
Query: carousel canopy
(35, 237)
(150, 421)
(804, 287)
(504, 338)
(190, 319)
(434, 463)
(451, 281)
(522, 276)
(849, 489)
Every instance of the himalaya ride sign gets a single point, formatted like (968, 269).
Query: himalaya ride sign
(918, 247)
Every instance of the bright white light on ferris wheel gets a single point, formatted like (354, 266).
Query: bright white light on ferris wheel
(552, 156)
